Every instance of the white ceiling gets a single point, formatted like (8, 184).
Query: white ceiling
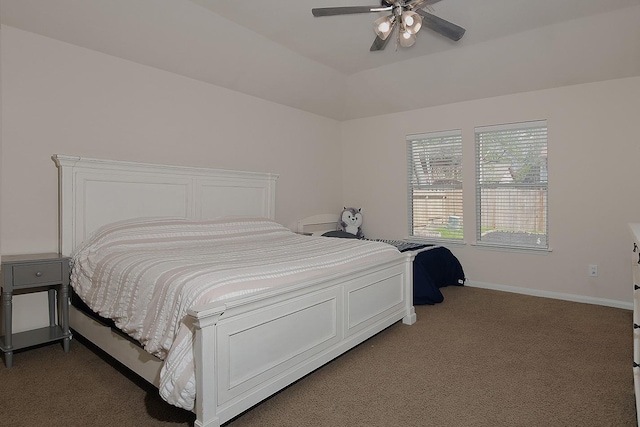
(342, 42)
(278, 51)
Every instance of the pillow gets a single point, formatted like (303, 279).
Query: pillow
(339, 233)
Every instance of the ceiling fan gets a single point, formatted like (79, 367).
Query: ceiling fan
(408, 15)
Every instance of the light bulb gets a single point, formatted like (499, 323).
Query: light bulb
(383, 26)
(412, 21)
(407, 39)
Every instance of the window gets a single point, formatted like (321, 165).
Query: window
(435, 185)
(511, 185)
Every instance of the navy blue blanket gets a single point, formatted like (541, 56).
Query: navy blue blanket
(433, 269)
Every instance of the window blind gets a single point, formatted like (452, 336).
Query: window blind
(512, 185)
(435, 185)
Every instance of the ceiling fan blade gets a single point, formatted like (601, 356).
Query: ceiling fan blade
(331, 11)
(439, 25)
(379, 44)
(415, 4)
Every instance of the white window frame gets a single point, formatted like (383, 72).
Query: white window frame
(512, 186)
(444, 178)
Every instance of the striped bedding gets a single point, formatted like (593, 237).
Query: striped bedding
(145, 273)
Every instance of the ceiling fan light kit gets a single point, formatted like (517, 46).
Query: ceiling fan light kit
(410, 16)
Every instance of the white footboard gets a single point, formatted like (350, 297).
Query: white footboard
(249, 349)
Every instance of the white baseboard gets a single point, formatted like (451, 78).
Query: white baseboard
(548, 294)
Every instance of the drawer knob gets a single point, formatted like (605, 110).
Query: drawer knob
(636, 326)
(635, 365)
(635, 247)
(635, 287)
(38, 273)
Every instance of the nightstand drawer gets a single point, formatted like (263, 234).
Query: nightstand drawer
(36, 273)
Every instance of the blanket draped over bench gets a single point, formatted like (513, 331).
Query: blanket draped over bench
(433, 269)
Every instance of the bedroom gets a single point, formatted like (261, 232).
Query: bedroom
(62, 97)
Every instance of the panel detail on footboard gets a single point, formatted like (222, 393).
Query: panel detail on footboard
(253, 349)
(370, 300)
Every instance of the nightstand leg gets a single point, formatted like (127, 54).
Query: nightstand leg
(64, 312)
(52, 307)
(8, 359)
(8, 344)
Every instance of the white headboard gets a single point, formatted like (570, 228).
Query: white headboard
(95, 192)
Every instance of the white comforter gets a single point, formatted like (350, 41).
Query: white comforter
(145, 273)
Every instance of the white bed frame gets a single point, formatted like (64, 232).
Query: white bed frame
(247, 348)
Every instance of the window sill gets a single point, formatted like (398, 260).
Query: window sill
(433, 241)
(516, 249)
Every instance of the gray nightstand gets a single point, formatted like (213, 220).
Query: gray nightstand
(35, 273)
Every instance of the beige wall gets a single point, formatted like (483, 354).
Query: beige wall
(594, 153)
(60, 98)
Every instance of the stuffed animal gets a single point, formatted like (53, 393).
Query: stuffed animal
(351, 222)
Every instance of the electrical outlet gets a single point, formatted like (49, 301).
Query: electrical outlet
(593, 270)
